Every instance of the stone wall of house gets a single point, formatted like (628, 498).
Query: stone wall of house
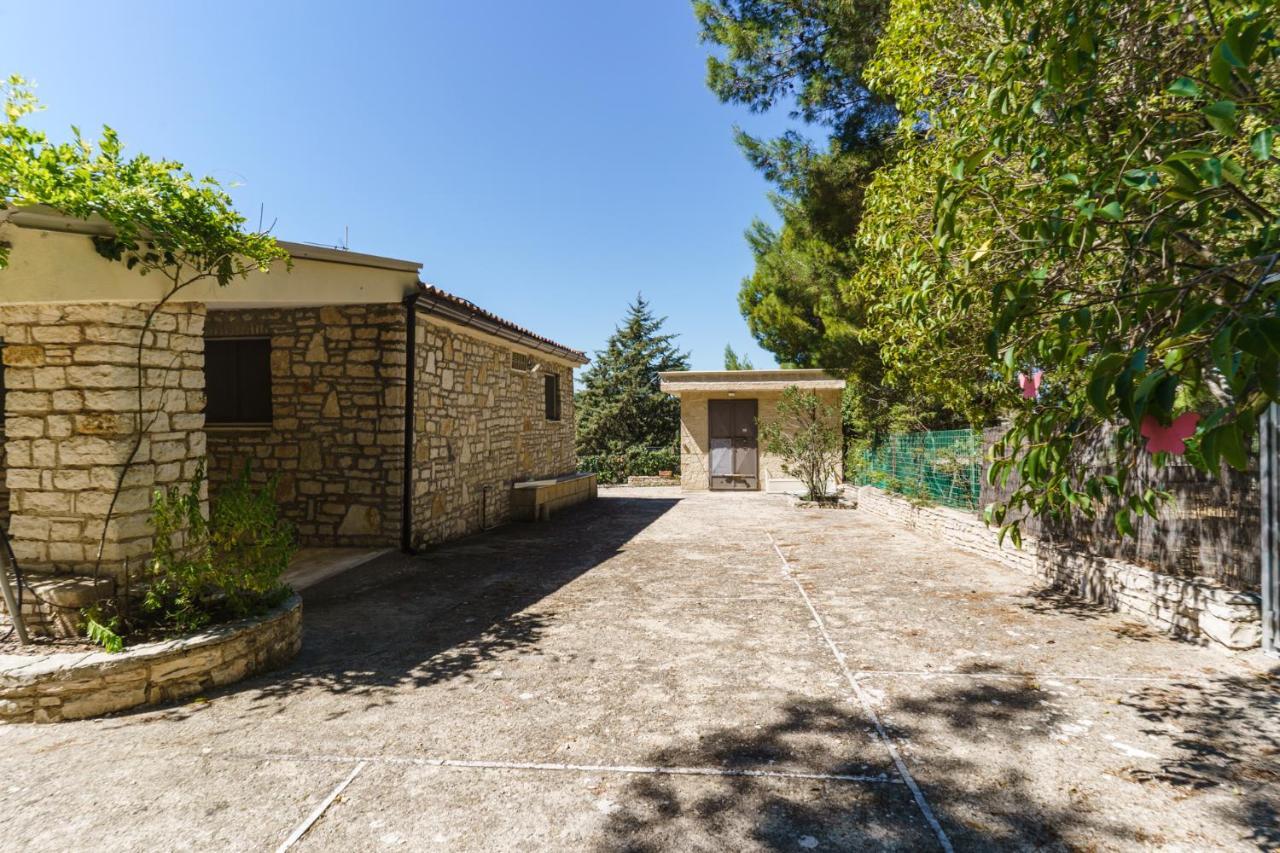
(4, 480)
(336, 442)
(1196, 609)
(71, 421)
(480, 425)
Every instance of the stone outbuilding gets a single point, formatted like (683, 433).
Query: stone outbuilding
(389, 412)
(720, 415)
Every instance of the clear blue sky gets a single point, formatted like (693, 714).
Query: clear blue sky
(546, 160)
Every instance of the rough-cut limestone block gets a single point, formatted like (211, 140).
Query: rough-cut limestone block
(1230, 633)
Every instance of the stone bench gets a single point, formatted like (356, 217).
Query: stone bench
(536, 500)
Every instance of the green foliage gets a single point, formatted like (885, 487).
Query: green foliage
(1085, 189)
(621, 405)
(732, 361)
(163, 218)
(813, 298)
(808, 53)
(1103, 196)
(225, 567)
(101, 630)
(617, 466)
(806, 437)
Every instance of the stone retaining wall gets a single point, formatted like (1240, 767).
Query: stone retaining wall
(642, 480)
(1192, 608)
(74, 686)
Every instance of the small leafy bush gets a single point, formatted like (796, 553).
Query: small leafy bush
(203, 570)
(616, 465)
(806, 436)
(225, 567)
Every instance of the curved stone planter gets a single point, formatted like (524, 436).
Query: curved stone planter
(71, 686)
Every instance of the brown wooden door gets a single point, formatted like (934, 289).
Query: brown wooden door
(734, 462)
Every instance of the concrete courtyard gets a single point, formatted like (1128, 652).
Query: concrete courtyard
(659, 671)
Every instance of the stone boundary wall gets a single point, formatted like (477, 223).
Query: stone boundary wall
(336, 440)
(480, 426)
(1190, 608)
(72, 686)
(644, 481)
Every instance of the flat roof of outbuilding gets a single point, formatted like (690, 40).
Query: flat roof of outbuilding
(682, 381)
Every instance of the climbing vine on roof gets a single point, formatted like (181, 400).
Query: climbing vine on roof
(162, 217)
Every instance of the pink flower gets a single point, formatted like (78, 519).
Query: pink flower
(1030, 385)
(1169, 439)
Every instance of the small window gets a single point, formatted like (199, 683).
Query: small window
(237, 380)
(551, 395)
(521, 361)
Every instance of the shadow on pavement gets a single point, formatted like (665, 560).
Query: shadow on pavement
(1227, 736)
(420, 620)
(664, 813)
(982, 804)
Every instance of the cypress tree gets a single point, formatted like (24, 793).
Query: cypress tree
(620, 405)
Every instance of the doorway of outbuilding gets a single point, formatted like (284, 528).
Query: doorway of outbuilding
(732, 435)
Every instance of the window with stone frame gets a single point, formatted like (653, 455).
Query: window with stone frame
(237, 375)
(551, 395)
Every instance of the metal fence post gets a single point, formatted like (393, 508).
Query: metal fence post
(1268, 463)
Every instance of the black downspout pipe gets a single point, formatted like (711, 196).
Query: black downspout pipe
(410, 376)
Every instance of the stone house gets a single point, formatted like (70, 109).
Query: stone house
(391, 413)
(720, 415)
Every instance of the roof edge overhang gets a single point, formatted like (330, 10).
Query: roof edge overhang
(460, 312)
(682, 381)
(44, 218)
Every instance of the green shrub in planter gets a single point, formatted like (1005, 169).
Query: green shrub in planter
(226, 567)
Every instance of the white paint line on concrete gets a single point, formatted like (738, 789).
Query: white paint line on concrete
(865, 701)
(555, 767)
(306, 825)
(1028, 676)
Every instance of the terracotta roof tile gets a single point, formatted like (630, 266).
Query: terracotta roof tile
(466, 306)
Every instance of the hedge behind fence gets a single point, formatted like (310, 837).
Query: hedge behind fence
(617, 466)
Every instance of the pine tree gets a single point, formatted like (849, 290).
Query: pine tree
(733, 361)
(620, 405)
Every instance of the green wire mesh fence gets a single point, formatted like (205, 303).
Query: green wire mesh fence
(943, 466)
